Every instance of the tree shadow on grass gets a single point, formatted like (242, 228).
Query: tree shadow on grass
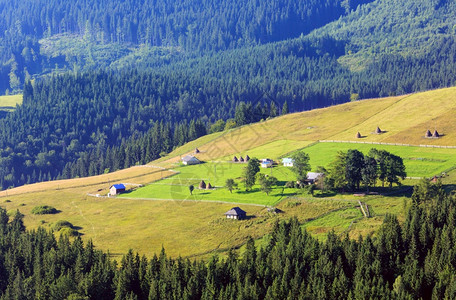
(325, 194)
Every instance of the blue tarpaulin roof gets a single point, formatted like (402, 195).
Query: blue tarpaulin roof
(119, 186)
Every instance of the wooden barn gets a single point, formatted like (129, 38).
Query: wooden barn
(117, 189)
(236, 213)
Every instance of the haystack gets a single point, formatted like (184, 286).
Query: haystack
(241, 159)
(202, 185)
(435, 134)
(197, 150)
(247, 158)
(209, 186)
(235, 159)
(378, 130)
(358, 135)
(428, 134)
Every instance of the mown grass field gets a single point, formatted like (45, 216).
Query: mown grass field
(176, 187)
(418, 161)
(198, 228)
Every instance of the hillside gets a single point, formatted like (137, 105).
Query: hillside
(147, 224)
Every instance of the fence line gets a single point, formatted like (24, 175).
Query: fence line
(388, 144)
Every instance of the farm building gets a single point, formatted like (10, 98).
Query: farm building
(288, 162)
(312, 177)
(236, 213)
(116, 189)
(190, 160)
(266, 163)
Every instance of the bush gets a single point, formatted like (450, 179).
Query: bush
(62, 224)
(290, 184)
(44, 210)
(66, 231)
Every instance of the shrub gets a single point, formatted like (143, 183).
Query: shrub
(67, 231)
(62, 224)
(44, 210)
(290, 184)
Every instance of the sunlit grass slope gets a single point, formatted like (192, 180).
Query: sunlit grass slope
(197, 228)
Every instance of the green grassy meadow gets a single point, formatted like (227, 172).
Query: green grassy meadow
(194, 225)
(176, 187)
(418, 161)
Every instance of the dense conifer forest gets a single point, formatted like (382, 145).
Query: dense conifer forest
(412, 260)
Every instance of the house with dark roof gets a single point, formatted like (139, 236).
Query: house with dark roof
(236, 213)
(190, 160)
(117, 189)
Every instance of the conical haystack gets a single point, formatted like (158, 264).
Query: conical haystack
(209, 186)
(235, 159)
(428, 134)
(247, 158)
(241, 159)
(378, 130)
(435, 134)
(358, 135)
(197, 150)
(202, 185)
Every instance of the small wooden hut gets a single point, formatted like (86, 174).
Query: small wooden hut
(235, 159)
(358, 135)
(209, 186)
(241, 159)
(202, 185)
(435, 134)
(428, 134)
(247, 158)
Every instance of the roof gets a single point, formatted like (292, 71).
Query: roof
(119, 186)
(236, 211)
(265, 160)
(189, 158)
(287, 160)
(313, 175)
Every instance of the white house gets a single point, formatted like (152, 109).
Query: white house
(312, 177)
(190, 160)
(288, 162)
(266, 163)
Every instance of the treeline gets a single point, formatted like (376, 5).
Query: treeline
(413, 260)
(190, 25)
(87, 124)
(352, 168)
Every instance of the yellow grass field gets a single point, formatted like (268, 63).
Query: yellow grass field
(197, 229)
(10, 101)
